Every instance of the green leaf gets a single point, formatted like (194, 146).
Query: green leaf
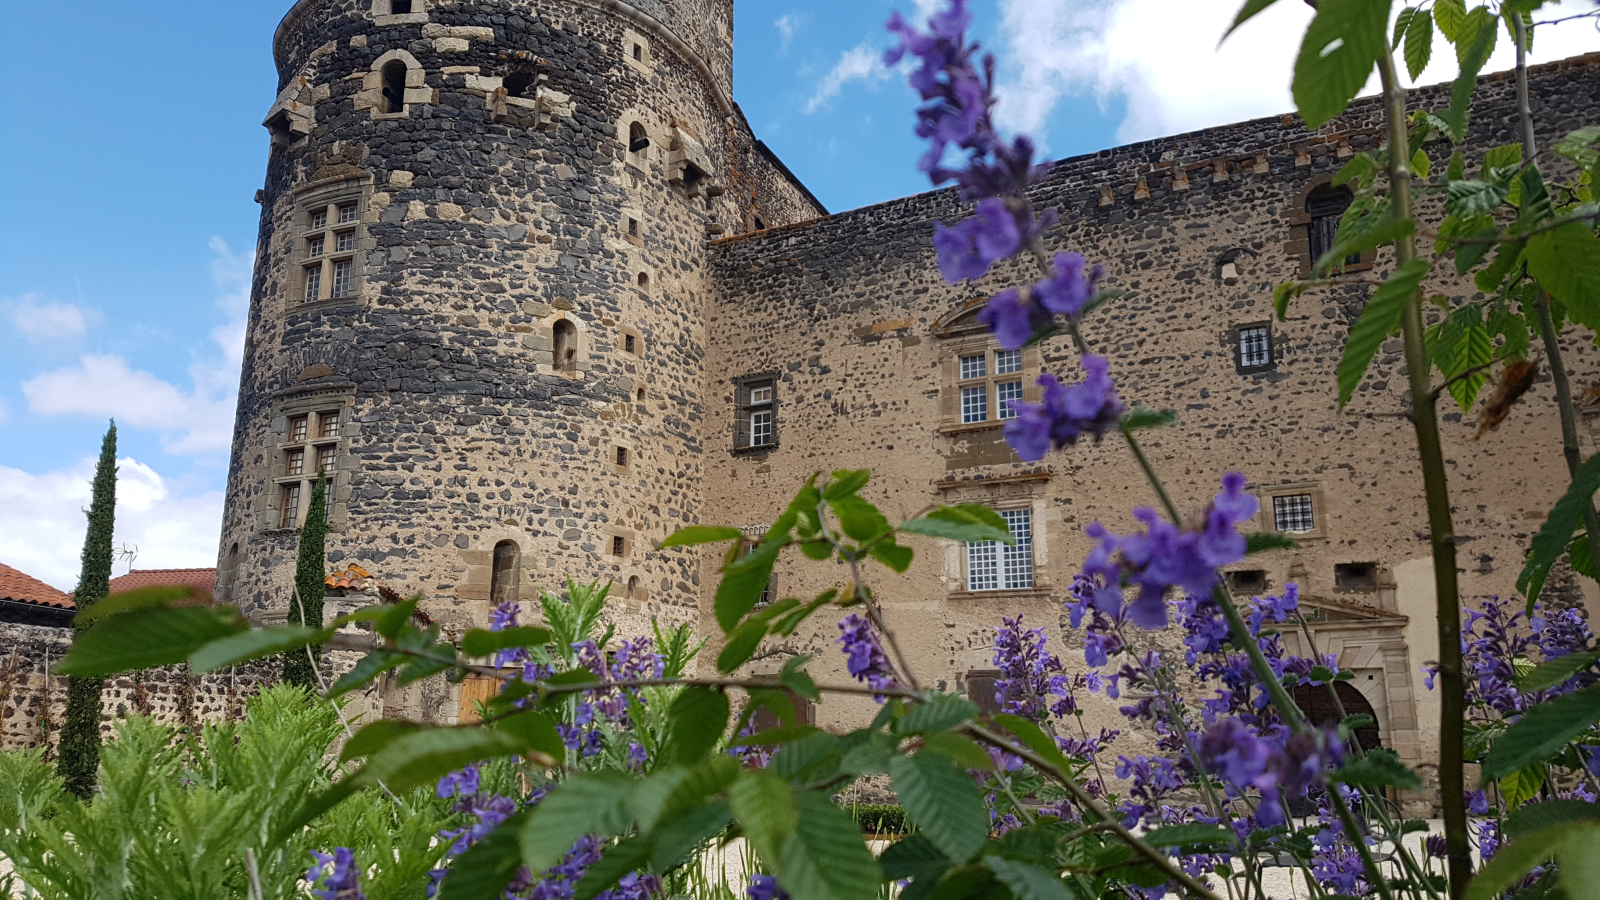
(893, 555)
(742, 644)
(699, 716)
(1474, 198)
(1521, 786)
(1249, 11)
(942, 711)
(129, 601)
(743, 582)
(1419, 42)
(943, 801)
(147, 638)
(395, 619)
(765, 808)
(1449, 14)
(1566, 261)
(478, 642)
(1191, 835)
(814, 752)
(535, 731)
(1379, 768)
(1142, 417)
(1539, 816)
(1556, 671)
(1582, 559)
(1514, 328)
(1262, 541)
(596, 803)
(1283, 293)
(1028, 881)
(797, 679)
(700, 534)
(1360, 168)
(969, 523)
(846, 483)
(1543, 732)
(914, 857)
(374, 737)
(1475, 39)
(1401, 22)
(1421, 165)
(959, 747)
(254, 644)
(1035, 739)
(682, 837)
(1380, 319)
(1579, 859)
(1340, 49)
(483, 872)
(625, 856)
(859, 518)
(1362, 235)
(424, 756)
(1505, 261)
(826, 858)
(773, 737)
(1512, 862)
(1551, 541)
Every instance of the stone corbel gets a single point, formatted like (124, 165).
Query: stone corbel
(294, 114)
(687, 164)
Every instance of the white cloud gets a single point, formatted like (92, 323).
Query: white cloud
(788, 25)
(863, 62)
(1168, 68)
(197, 420)
(42, 521)
(40, 321)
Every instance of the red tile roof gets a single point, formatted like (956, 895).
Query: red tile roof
(21, 588)
(200, 579)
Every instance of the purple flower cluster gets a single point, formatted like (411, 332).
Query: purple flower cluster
(1064, 414)
(765, 887)
(1277, 763)
(1499, 633)
(864, 655)
(1015, 317)
(1032, 683)
(335, 877)
(1165, 556)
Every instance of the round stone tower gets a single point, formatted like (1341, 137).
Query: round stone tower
(480, 296)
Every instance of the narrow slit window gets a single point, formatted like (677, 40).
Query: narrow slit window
(394, 87)
(633, 227)
(638, 52)
(622, 457)
(619, 546)
(1293, 513)
(565, 345)
(503, 579)
(630, 343)
(638, 138)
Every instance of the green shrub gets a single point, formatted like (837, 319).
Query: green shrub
(881, 818)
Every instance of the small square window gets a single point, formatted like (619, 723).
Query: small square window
(974, 367)
(638, 52)
(761, 428)
(633, 227)
(1255, 346)
(347, 213)
(761, 395)
(298, 428)
(622, 457)
(319, 220)
(1251, 582)
(1355, 577)
(400, 7)
(1005, 393)
(289, 512)
(325, 458)
(974, 404)
(328, 424)
(630, 343)
(315, 246)
(619, 545)
(313, 283)
(1007, 361)
(1292, 513)
(341, 278)
(296, 464)
(346, 242)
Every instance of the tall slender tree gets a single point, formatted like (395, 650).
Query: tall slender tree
(80, 732)
(305, 607)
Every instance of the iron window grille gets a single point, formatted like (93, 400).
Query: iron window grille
(1255, 347)
(1293, 513)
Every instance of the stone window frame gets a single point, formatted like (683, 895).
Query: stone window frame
(634, 42)
(636, 218)
(614, 455)
(951, 352)
(1267, 520)
(628, 331)
(1026, 492)
(329, 197)
(634, 595)
(1235, 336)
(1298, 246)
(544, 348)
(744, 408)
(513, 585)
(417, 92)
(1001, 551)
(382, 14)
(639, 159)
(610, 535)
(312, 404)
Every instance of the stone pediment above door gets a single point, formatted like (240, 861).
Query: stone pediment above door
(1327, 610)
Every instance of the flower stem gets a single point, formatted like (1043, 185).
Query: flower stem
(1425, 418)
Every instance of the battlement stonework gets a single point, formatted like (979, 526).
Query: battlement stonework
(533, 294)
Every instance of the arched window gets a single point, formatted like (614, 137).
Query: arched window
(520, 84)
(644, 281)
(641, 395)
(394, 86)
(503, 584)
(565, 345)
(1325, 205)
(633, 588)
(638, 139)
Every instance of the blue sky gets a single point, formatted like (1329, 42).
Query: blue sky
(133, 148)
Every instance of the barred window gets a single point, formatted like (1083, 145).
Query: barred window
(973, 367)
(1293, 513)
(993, 566)
(1004, 393)
(1255, 346)
(1007, 361)
(975, 404)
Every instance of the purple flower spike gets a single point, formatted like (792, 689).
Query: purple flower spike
(1069, 289)
(967, 250)
(1010, 317)
(1066, 414)
(864, 655)
(335, 877)
(765, 887)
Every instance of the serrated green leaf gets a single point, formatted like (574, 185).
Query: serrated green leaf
(147, 638)
(1359, 169)
(826, 857)
(1475, 39)
(765, 808)
(914, 857)
(1381, 768)
(1449, 14)
(1514, 328)
(1363, 233)
(1340, 49)
(1283, 293)
(478, 642)
(596, 803)
(682, 837)
(859, 518)
(743, 582)
(1543, 732)
(534, 731)
(1473, 198)
(846, 483)
(969, 522)
(1028, 881)
(1512, 862)
(1401, 22)
(484, 870)
(805, 755)
(1419, 43)
(255, 644)
(1579, 860)
(1250, 10)
(1262, 541)
(786, 625)
(422, 757)
(1142, 417)
(1190, 835)
(893, 555)
(1421, 165)
(699, 716)
(1473, 350)
(1380, 319)
(1582, 560)
(797, 679)
(868, 757)
(1505, 261)
(1539, 816)
(742, 644)
(130, 601)
(1566, 261)
(943, 801)
(391, 623)
(1551, 541)
(367, 668)
(700, 534)
(1521, 786)
(1034, 738)
(964, 750)
(375, 736)
(940, 712)
(1549, 674)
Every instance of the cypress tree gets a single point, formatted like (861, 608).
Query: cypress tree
(79, 762)
(309, 572)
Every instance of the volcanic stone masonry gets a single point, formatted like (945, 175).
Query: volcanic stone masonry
(530, 291)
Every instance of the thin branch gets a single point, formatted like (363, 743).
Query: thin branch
(1439, 391)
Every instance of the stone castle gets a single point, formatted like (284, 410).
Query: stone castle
(532, 292)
